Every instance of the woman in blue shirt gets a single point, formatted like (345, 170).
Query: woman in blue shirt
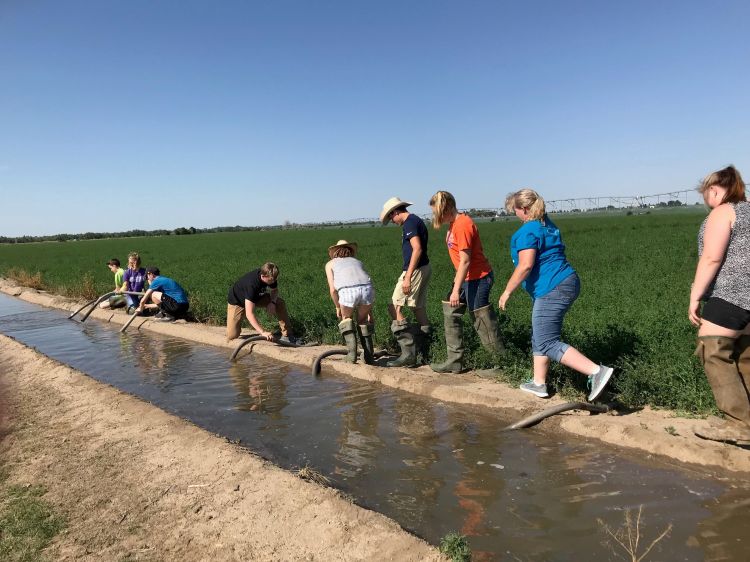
(543, 270)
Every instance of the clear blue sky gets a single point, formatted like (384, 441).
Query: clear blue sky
(157, 114)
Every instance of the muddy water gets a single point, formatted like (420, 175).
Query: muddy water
(433, 467)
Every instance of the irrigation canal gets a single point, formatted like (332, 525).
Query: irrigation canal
(432, 467)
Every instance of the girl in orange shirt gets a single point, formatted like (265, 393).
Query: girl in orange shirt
(471, 284)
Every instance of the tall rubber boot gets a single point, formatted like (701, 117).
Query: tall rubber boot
(485, 323)
(742, 357)
(717, 354)
(365, 337)
(454, 339)
(346, 327)
(405, 338)
(423, 335)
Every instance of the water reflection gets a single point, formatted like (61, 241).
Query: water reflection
(432, 467)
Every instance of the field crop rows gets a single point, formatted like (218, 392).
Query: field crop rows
(635, 271)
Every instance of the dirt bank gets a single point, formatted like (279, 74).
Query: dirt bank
(647, 431)
(136, 483)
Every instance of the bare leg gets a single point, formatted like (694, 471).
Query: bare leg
(541, 367)
(346, 312)
(363, 313)
(392, 311)
(577, 361)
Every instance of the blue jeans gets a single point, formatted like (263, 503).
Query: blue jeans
(477, 291)
(547, 318)
(133, 300)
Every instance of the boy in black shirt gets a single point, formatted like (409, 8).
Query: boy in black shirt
(258, 288)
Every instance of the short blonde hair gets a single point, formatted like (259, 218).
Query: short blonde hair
(135, 257)
(730, 179)
(443, 205)
(526, 199)
(269, 269)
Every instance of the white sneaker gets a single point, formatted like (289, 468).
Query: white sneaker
(599, 381)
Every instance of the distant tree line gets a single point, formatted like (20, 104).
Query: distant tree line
(181, 231)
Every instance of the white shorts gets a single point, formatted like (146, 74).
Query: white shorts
(353, 296)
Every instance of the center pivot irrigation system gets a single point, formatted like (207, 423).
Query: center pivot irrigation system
(525, 422)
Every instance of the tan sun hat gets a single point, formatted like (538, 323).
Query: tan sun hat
(392, 203)
(342, 243)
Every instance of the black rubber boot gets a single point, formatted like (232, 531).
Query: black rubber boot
(423, 335)
(365, 337)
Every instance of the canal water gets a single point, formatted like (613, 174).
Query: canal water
(431, 466)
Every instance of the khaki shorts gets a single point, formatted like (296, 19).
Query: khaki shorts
(420, 279)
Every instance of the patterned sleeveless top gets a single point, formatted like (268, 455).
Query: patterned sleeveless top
(732, 282)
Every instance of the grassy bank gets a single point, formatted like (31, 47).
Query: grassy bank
(27, 522)
(635, 271)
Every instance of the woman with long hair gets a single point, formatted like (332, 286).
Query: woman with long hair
(722, 282)
(471, 284)
(543, 270)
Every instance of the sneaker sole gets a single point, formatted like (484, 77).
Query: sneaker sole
(535, 392)
(595, 392)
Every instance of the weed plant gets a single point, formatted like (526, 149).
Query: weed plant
(456, 547)
(635, 274)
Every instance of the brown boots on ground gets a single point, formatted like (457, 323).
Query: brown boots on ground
(727, 365)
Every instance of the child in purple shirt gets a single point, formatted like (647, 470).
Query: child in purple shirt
(133, 280)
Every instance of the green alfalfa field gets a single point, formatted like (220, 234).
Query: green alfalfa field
(635, 272)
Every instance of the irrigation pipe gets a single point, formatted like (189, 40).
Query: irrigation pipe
(251, 339)
(340, 351)
(319, 358)
(536, 418)
(128, 323)
(94, 303)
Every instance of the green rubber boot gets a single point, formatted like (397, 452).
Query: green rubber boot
(346, 327)
(365, 337)
(485, 323)
(454, 339)
(405, 338)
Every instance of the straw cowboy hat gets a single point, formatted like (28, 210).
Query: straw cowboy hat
(392, 203)
(342, 244)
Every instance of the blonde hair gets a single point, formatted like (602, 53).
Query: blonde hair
(730, 179)
(443, 206)
(526, 199)
(136, 257)
(269, 269)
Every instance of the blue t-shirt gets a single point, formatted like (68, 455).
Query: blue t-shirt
(414, 226)
(169, 288)
(551, 266)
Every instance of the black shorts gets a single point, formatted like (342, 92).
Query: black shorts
(172, 307)
(725, 314)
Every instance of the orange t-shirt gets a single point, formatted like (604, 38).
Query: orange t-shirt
(463, 235)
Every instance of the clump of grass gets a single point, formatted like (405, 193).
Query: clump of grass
(671, 430)
(27, 523)
(24, 278)
(84, 288)
(456, 546)
(311, 475)
(628, 536)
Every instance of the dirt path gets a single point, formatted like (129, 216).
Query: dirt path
(136, 483)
